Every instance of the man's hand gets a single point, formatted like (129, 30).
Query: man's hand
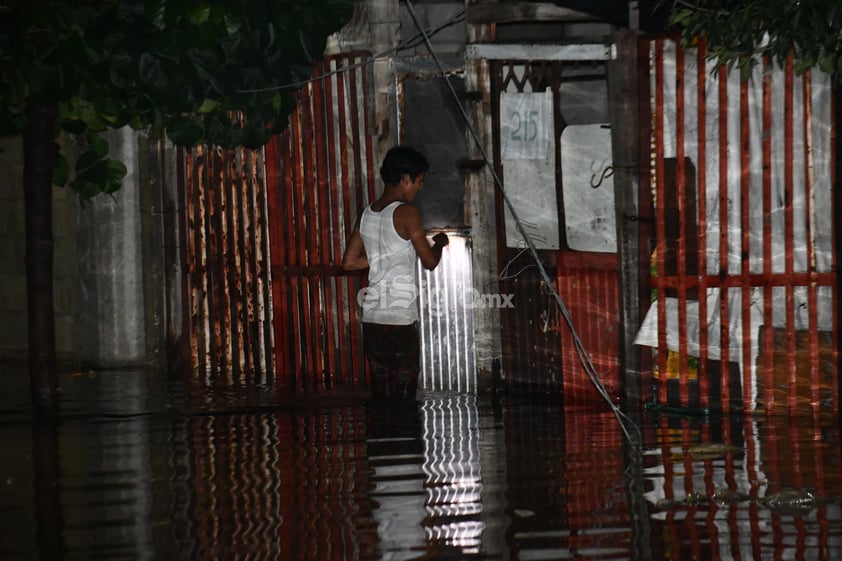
(441, 240)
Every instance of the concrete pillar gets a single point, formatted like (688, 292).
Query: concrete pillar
(111, 306)
(480, 192)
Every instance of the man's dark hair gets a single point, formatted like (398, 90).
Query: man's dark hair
(402, 160)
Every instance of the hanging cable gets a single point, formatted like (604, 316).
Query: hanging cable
(626, 424)
(410, 43)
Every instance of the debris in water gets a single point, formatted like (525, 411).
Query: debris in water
(790, 501)
(712, 451)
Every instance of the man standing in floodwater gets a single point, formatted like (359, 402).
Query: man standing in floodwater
(388, 237)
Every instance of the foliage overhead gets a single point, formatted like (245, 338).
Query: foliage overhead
(177, 67)
(739, 32)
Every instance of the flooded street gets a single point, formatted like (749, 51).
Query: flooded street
(140, 467)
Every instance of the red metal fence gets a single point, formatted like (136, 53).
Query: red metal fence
(319, 174)
(744, 313)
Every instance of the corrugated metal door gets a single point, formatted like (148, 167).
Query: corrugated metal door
(319, 175)
(227, 331)
(745, 302)
(553, 152)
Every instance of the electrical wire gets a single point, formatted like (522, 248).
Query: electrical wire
(626, 424)
(411, 43)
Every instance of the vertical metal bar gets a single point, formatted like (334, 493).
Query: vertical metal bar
(250, 221)
(355, 139)
(644, 193)
(789, 233)
(275, 241)
(681, 260)
(339, 209)
(230, 257)
(309, 367)
(724, 335)
(321, 110)
(187, 180)
(834, 237)
(659, 220)
(245, 223)
(309, 189)
(236, 222)
(363, 101)
(230, 217)
(701, 100)
(216, 236)
(745, 245)
(353, 209)
(287, 256)
(584, 319)
(200, 285)
(265, 281)
(240, 212)
(296, 257)
(810, 232)
(768, 347)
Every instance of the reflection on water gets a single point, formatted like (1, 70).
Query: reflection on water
(140, 468)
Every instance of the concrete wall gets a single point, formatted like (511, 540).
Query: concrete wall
(116, 272)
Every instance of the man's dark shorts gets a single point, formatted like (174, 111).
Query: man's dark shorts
(394, 355)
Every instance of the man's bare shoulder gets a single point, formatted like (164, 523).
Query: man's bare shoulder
(407, 220)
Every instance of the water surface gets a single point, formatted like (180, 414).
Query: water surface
(141, 467)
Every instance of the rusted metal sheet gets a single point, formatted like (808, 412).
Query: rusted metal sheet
(227, 299)
(746, 312)
(322, 174)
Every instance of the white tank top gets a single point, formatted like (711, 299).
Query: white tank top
(392, 292)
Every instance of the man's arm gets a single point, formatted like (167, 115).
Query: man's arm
(409, 225)
(354, 258)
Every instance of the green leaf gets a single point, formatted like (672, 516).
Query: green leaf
(219, 129)
(199, 14)
(85, 189)
(183, 131)
(96, 144)
(233, 24)
(105, 176)
(207, 106)
(156, 11)
(151, 71)
(73, 126)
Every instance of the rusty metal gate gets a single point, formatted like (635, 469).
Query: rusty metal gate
(745, 289)
(564, 101)
(227, 307)
(264, 294)
(319, 175)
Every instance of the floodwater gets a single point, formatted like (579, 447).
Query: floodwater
(140, 467)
